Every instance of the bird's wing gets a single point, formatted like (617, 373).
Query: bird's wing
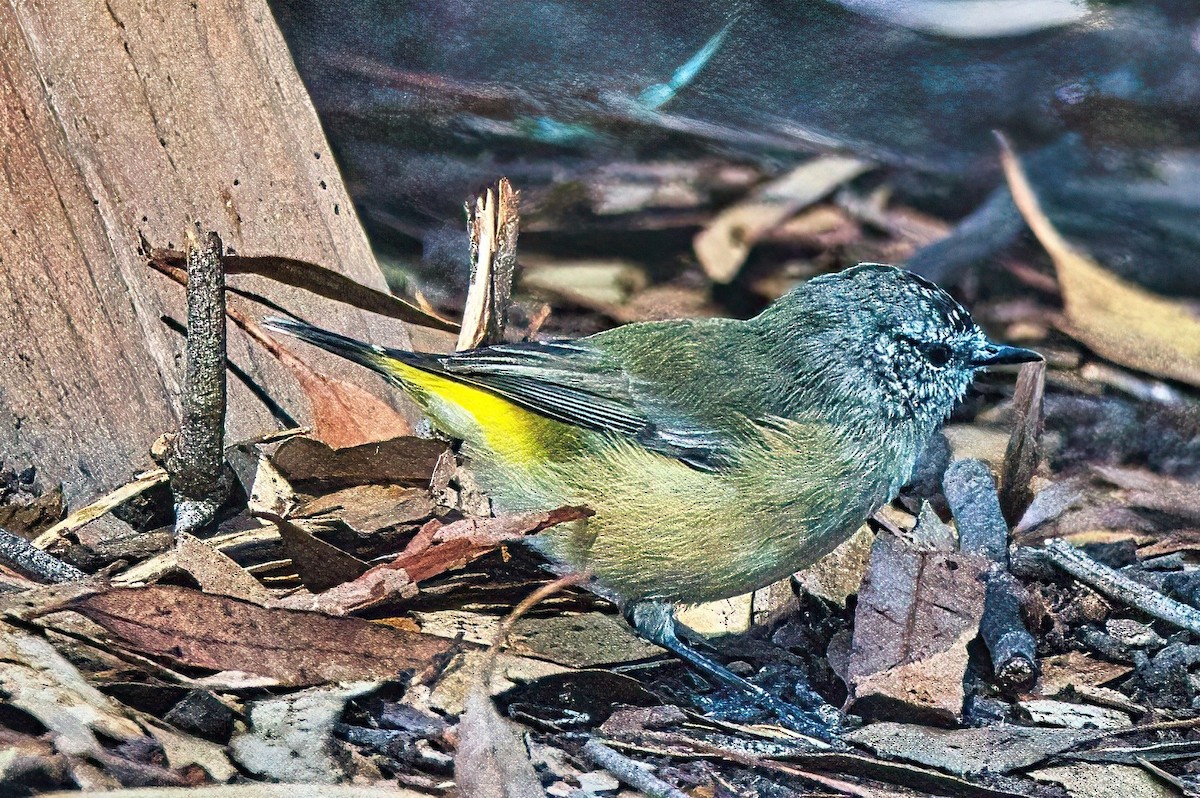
(578, 384)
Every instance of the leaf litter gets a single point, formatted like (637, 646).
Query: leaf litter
(328, 627)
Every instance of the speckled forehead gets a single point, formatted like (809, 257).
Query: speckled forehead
(940, 315)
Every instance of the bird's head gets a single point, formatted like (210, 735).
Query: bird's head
(894, 341)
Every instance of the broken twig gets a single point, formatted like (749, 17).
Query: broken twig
(981, 529)
(106, 503)
(33, 562)
(628, 771)
(493, 223)
(1119, 587)
(197, 458)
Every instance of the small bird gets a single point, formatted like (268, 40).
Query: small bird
(718, 455)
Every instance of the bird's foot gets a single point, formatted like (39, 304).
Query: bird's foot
(817, 719)
(821, 721)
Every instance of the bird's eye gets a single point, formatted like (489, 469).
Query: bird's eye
(939, 355)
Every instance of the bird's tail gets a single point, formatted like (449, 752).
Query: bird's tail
(373, 356)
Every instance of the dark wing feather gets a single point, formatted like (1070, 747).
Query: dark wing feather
(571, 382)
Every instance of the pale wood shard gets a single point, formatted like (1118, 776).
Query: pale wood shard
(126, 123)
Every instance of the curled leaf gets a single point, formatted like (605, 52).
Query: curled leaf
(1118, 320)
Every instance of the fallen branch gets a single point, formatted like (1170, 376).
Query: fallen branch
(972, 496)
(1119, 587)
(33, 562)
(628, 771)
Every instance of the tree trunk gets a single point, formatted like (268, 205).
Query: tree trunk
(124, 122)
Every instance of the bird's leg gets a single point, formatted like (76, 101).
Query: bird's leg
(656, 622)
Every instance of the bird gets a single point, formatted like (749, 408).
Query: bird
(717, 455)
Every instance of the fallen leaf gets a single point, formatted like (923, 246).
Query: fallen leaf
(183, 750)
(258, 790)
(342, 414)
(1090, 781)
(320, 565)
(315, 465)
(462, 675)
(598, 284)
(216, 573)
(723, 246)
(999, 748)
(36, 679)
(1115, 318)
(437, 548)
(1068, 715)
(917, 611)
(491, 760)
(1076, 669)
(724, 617)
(219, 633)
(839, 574)
(317, 280)
(574, 640)
(1143, 489)
(369, 510)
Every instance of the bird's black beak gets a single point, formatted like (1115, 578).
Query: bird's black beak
(1001, 355)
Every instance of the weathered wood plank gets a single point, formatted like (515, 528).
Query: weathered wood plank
(122, 122)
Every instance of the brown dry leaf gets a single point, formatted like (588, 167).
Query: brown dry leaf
(36, 679)
(1154, 492)
(291, 738)
(258, 790)
(320, 565)
(343, 414)
(1076, 669)
(311, 464)
(491, 761)
(1024, 452)
(602, 285)
(723, 246)
(1089, 780)
(917, 611)
(437, 548)
(1115, 318)
(317, 280)
(216, 572)
(370, 509)
(998, 748)
(295, 648)
(1179, 541)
